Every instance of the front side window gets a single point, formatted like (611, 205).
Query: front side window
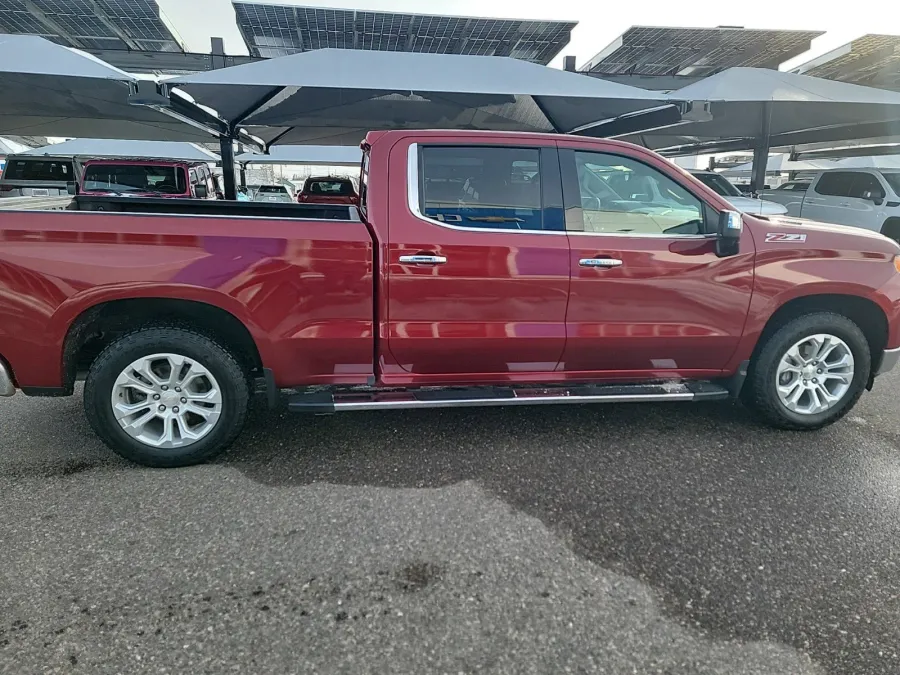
(835, 184)
(866, 186)
(483, 187)
(623, 196)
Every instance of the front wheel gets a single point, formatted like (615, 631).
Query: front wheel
(166, 397)
(810, 372)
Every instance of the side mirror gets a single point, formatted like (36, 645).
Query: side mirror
(72, 188)
(201, 192)
(728, 234)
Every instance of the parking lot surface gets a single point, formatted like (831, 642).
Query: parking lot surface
(616, 539)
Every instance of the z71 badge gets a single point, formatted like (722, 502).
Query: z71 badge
(784, 236)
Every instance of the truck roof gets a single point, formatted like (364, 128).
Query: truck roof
(378, 136)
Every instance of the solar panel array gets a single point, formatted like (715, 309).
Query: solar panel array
(872, 60)
(91, 24)
(278, 30)
(697, 52)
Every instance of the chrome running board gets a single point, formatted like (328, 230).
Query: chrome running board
(324, 403)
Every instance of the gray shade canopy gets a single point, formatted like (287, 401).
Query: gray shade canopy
(312, 155)
(799, 109)
(98, 147)
(333, 96)
(50, 90)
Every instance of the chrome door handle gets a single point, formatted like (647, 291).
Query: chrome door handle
(600, 262)
(422, 260)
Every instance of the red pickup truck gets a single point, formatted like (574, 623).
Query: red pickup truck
(478, 269)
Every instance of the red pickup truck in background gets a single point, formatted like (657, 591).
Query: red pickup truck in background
(479, 269)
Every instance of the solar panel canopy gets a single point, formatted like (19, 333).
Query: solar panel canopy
(272, 30)
(872, 60)
(696, 52)
(91, 24)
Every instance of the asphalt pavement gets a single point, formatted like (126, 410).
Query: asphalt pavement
(682, 538)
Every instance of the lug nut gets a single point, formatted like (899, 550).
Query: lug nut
(184, 400)
(175, 409)
(815, 381)
(162, 408)
(178, 389)
(155, 397)
(165, 388)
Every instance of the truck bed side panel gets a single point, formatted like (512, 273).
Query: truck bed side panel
(303, 288)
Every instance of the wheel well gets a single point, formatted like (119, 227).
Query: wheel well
(100, 325)
(891, 229)
(863, 312)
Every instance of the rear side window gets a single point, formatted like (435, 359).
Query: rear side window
(38, 169)
(329, 188)
(484, 187)
(835, 183)
(866, 186)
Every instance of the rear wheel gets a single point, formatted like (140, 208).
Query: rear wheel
(810, 372)
(166, 397)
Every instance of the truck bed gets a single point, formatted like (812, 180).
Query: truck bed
(198, 207)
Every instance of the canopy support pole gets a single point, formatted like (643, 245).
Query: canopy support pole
(761, 151)
(226, 148)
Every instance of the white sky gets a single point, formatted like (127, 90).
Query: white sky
(600, 21)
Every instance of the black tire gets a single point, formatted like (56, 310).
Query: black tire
(232, 378)
(760, 392)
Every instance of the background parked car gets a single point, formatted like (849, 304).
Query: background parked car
(328, 190)
(721, 186)
(272, 193)
(867, 198)
(42, 176)
(148, 178)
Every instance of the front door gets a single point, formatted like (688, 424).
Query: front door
(478, 271)
(649, 296)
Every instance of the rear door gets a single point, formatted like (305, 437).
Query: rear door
(478, 271)
(829, 198)
(649, 296)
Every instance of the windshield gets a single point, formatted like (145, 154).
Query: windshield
(126, 178)
(330, 188)
(893, 179)
(718, 184)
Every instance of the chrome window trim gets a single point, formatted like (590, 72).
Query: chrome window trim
(645, 235)
(412, 190)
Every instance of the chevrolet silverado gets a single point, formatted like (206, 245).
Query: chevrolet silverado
(477, 269)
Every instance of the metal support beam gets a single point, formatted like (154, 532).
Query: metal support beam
(355, 33)
(460, 47)
(112, 26)
(301, 45)
(226, 152)
(761, 150)
(217, 54)
(53, 28)
(411, 33)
